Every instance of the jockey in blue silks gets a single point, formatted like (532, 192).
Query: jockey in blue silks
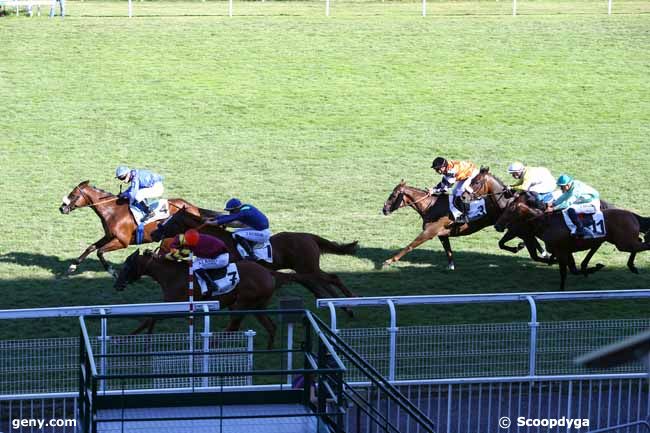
(144, 185)
(256, 224)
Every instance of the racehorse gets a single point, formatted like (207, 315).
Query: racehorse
(485, 185)
(622, 229)
(253, 292)
(436, 219)
(119, 225)
(291, 250)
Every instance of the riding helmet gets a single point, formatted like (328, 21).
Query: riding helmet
(439, 163)
(564, 179)
(121, 172)
(232, 204)
(516, 167)
(191, 237)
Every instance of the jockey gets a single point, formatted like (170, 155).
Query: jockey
(210, 252)
(538, 180)
(455, 171)
(577, 197)
(144, 184)
(256, 224)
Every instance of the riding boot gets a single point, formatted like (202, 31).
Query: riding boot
(580, 228)
(462, 218)
(144, 207)
(248, 247)
(203, 273)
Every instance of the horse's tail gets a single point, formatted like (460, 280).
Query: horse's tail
(330, 247)
(644, 225)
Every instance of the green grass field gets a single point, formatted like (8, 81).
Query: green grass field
(315, 120)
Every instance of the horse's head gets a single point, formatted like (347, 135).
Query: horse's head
(395, 199)
(130, 272)
(522, 208)
(175, 224)
(479, 186)
(77, 198)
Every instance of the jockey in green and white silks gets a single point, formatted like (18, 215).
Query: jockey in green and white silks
(144, 185)
(577, 197)
(538, 180)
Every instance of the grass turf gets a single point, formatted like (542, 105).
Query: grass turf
(315, 120)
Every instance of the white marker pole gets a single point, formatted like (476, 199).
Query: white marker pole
(190, 295)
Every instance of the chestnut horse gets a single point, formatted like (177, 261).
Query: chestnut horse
(622, 229)
(253, 292)
(437, 221)
(117, 220)
(291, 250)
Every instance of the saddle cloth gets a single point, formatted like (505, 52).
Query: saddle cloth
(261, 251)
(226, 279)
(594, 224)
(159, 208)
(477, 209)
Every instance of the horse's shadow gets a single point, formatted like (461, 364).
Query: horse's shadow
(56, 265)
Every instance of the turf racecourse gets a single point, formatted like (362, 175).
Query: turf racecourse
(315, 120)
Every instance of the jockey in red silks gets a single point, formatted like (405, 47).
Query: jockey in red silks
(210, 253)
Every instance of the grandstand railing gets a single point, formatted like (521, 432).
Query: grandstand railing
(484, 350)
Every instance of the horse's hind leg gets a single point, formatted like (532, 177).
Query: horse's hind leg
(630, 263)
(148, 323)
(334, 280)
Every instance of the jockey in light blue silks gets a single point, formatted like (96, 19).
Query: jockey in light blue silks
(144, 185)
(256, 224)
(577, 197)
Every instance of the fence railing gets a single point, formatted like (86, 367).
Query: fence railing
(482, 350)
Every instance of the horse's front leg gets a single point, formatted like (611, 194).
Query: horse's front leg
(444, 240)
(427, 234)
(584, 266)
(114, 244)
(93, 247)
(507, 237)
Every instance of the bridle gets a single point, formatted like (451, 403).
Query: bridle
(88, 200)
(412, 204)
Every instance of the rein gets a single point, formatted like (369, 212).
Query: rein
(413, 203)
(91, 204)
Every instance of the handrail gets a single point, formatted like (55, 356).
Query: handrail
(379, 380)
(480, 298)
(89, 348)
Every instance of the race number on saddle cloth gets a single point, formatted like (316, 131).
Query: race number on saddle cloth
(210, 265)
(461, 174)
(252, 239)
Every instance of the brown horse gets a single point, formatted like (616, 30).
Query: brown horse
(485, 185)
(291, 250)
(253, 292)
(436, 219)
(622, 229)
(117, 220)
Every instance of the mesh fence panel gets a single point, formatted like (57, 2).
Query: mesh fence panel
(485, 350)
(52, 365)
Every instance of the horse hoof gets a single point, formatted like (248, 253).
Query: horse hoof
(71, 269)
(634, 270)
(451, 267)
(520, 246)
(387, 263)
(599, 266)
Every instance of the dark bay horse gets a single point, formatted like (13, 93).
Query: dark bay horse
(622, 229)
(436, 219)
(485, 185)
(253, 292)
(291, 250)
(117, 220)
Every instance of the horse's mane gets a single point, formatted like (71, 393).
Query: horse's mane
(487, 171)
(87, 183)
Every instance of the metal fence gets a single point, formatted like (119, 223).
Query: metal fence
(488, 350)
(476, 406)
